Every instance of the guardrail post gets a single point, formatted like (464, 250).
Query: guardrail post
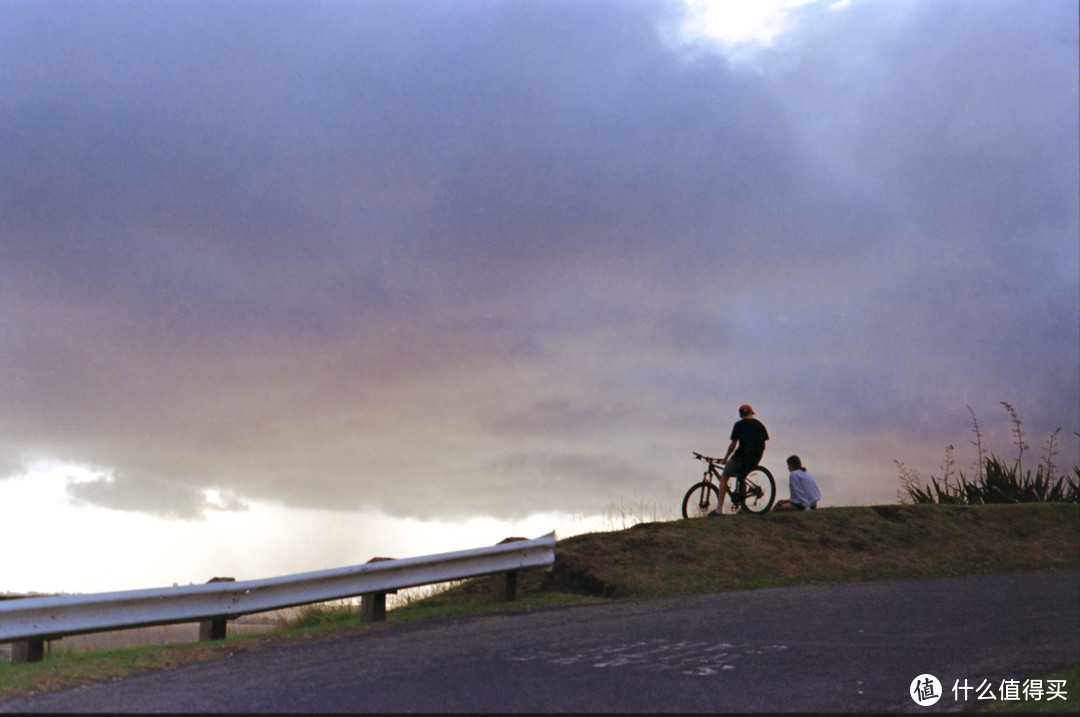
(373, 605)
(216, 628)
(27, 651)
(506, 583)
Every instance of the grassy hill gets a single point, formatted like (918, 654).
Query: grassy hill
(683, 556)
(828, 545)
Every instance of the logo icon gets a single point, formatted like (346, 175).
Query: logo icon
(925, 690)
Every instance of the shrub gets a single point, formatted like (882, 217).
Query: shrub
(995, 480)
(998, 483)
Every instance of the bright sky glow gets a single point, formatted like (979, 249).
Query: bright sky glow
(85, 548)
(734, 22)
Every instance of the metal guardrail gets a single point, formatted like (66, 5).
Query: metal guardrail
(48, 618)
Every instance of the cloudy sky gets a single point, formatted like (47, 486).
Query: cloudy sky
(285, 285)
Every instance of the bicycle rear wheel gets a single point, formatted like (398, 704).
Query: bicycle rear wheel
(700, 500)
(760, 490)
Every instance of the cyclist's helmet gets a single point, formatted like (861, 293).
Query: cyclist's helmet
(745, 410)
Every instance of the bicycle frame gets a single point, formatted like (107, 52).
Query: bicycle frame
(737, 494)
(748, 494)
(712, 474)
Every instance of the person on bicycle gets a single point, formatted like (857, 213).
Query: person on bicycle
(748, 437)
(804, 491)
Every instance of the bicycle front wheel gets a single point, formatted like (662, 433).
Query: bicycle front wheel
(700, 500)
(760, 490)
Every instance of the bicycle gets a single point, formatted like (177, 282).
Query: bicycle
(753, 492)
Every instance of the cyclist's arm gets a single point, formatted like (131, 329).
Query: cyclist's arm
(730, 450)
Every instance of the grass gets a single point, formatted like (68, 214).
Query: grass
(75, 668)
(827, 545)
(675, 557)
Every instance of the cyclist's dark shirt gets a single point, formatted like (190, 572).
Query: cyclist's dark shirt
(751, 435)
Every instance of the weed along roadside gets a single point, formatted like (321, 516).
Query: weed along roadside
(674, 557)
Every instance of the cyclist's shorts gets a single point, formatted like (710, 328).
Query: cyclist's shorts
(736, 467)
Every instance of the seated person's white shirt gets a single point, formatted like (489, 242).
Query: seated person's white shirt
(804, 491)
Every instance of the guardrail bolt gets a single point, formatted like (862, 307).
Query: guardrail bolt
(216, 628)
(373, 605)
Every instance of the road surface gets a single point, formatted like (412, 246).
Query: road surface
(848, 647)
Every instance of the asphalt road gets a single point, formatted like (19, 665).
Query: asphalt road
(852, 647)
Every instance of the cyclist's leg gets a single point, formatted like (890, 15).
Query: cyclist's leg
(731, 470)
(723, 494)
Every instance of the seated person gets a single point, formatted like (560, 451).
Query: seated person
(804, 492)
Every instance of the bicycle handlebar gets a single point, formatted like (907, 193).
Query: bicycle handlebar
(707, 458)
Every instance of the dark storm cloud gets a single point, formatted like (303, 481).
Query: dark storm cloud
(332, 254)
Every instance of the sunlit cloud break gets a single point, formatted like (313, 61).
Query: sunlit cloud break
(738, 23)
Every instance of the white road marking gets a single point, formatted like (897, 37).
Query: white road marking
(697, 659)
